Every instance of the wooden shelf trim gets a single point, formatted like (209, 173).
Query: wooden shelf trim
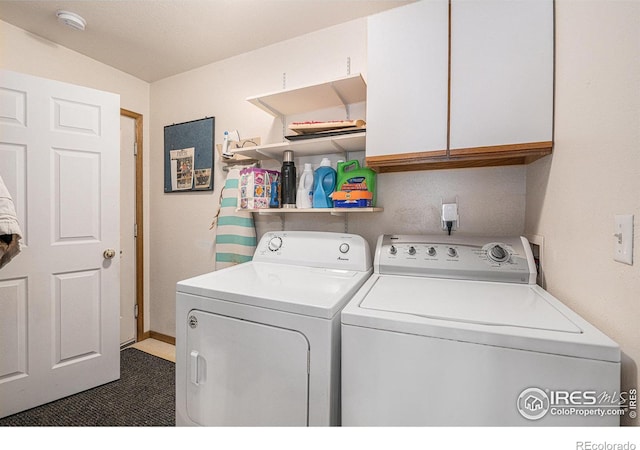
(489, 156)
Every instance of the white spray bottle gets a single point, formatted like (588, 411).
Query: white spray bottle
(305, 188)
(225, 146)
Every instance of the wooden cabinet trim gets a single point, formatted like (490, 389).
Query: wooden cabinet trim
(494, 150)
(489, 156)
(405, 158)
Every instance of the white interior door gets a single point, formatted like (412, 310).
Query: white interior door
(127, 226)
(59, 297)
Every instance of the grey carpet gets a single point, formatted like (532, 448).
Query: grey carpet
(144, 396)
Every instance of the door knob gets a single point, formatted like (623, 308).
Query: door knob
(109, 253)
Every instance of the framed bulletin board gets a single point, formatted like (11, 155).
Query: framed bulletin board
(188, 156)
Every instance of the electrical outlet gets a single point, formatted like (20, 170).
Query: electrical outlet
(450, 214)
(623, 239)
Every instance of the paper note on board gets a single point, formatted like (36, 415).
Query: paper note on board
(182, 168)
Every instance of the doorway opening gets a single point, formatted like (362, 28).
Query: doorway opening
(132, 273)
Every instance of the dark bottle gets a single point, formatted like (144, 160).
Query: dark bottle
(288, 181)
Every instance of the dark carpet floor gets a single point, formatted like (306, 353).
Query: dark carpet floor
(144, 396)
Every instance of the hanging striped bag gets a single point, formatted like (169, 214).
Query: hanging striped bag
(235, 230)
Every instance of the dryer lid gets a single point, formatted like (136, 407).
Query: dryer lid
(475, 302)
(311, 291)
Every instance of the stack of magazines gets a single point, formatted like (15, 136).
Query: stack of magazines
(313, 129)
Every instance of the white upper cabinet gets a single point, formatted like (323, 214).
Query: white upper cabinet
(501, 72)
(477, 94)
(407, 79)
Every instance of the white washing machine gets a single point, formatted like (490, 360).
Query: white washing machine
(258, 344)
(454, 331)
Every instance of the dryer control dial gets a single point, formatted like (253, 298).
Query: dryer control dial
(431, 251)
(393, 250)
(412, 250)
(344, 247)
(275, 243)
(498, 253)
(452, 252)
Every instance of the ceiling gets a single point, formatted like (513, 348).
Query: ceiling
(155, 39)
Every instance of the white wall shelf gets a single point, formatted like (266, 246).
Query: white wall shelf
(308, 147)
(339, 92)
(332, 211)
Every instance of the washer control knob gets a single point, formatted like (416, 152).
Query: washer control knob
(452, 252)
(393, 250)
(431, 251)
(412, 250)
(498, 253)
(275, 243)
(344, 248)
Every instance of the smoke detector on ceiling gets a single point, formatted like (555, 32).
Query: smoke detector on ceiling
(72, 20)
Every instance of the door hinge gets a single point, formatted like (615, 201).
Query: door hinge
(135, 149)
(135, 311)
(135, 230)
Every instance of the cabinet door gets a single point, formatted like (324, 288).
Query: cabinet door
(501, 72)
(407, 79)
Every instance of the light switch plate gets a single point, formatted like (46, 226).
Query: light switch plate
(623, 239)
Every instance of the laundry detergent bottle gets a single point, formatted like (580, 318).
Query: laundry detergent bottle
(324, 183)
(352, 177)
(304, 196)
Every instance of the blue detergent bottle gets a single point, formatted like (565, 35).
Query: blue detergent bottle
(324, 183)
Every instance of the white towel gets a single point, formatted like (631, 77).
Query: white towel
(235, 232)
(10, 232)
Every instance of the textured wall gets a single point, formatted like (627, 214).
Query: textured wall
(594, 172)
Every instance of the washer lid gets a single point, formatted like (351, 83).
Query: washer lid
(487, 303)
(311, 291)
(521, 317)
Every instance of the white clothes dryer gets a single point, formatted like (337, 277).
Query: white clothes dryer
(258, 344)
(454, 331)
